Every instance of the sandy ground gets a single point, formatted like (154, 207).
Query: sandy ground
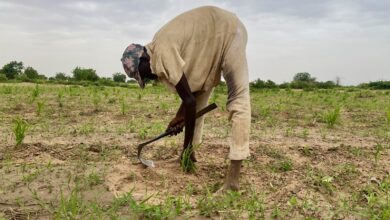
(298, 166)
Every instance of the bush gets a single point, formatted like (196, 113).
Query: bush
(326, 85)
(31, 73)
(303, 77)
(82, 74)
(106, 82)
(119, 77)
(24, 78)
(3, 77)
(260, 84)
(376, 85)
(61, 77)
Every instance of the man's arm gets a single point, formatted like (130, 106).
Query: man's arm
(188, 106)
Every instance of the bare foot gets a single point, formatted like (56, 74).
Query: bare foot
(233, 176)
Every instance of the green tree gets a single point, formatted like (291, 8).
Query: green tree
(119, 77)
(83, 74)
(12, 69)
(61, 77)
(31, 73)
(303, 77)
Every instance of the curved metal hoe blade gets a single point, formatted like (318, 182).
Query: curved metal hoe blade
(148, 163)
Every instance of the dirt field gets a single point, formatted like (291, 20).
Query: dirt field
(315, 155)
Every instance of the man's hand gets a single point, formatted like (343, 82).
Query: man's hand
(176, 124)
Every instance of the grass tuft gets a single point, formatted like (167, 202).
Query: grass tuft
(332, 117)
(187, 165)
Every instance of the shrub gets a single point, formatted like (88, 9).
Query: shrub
(332, 117)
(31, 73)
(260, 84)
(377, 85)
(61, 77)
(23, 77)
(3, 77)
(80, 74)
(119, 77)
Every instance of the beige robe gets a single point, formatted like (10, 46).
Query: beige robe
(202, 43)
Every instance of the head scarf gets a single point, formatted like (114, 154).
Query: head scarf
(130, 60)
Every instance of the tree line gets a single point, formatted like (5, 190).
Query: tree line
(16, 71)
(303, 80)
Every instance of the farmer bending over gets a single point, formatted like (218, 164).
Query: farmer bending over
(188, 55)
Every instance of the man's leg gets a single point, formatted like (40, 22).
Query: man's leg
(235, 72)
(202, 99)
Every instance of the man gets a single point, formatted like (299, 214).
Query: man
(188, 55)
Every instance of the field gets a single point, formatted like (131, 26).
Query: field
(321, 154)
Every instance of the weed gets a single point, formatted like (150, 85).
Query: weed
(31, 176)
(283, 165)
(321, 180)
(142, 133)
(377, 154)
(7, 90)
(276, 212)
(71, 207)
(123, 106)
(19, 130)
(60, 96)
(305, 134)
(94, 179)
(40, 106)
(187, 165)
(87, 128)
(387, 115)
(35, 93)
(332, 117)
(96, 101)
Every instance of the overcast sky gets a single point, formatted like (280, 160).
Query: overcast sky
(349, 39)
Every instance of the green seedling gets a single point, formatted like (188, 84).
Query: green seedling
(123, 106)
(35, 93)
(388, 117)
(332, 117)
(60, 95)
(19, 130)
(96, 101)
(187, 165)
(40, 106)
(377, 153)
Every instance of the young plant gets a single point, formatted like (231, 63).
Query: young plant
(35, 93)
(96, 100)
(19, 130)
(388, 117)
(187, 165)
(60, 95)
(378, 150)
(332, 117)
(123, 106)
(40, 106)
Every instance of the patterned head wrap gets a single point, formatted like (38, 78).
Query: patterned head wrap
(130, 60)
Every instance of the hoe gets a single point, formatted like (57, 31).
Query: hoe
(150, 163)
